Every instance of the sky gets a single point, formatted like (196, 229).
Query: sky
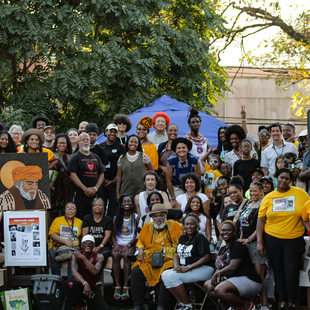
(289, 10)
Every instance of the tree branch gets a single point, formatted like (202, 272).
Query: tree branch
(275, 21)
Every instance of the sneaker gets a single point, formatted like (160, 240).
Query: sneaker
(187, 307)
(264, 308)
(252, 306)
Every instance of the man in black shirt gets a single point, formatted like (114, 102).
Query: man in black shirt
(112, 150)
(87, 174)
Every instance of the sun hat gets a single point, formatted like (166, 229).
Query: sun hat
(33, 131)
(158, 208)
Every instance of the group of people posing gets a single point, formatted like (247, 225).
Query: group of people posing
(172, 210)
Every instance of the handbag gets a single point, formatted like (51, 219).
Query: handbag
(16, 299)
(157, 260)
(62, 253)
(158, 257)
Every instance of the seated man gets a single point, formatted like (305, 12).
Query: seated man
(235, 279)
(85, 267)
(159, 236)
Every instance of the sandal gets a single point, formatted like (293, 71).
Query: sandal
(117, 293)
(125, 295)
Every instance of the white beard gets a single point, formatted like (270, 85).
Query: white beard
(160, 226)
(25, 195)
(86, 148)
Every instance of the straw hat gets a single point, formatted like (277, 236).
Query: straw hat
(158, 208)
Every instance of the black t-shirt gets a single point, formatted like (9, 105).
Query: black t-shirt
(237, 251)
(112, 153)
(98, 150)
(229, 212)
(97, 230)
(248, 220)
(246, 268)
(88, 168)
(244, 168)
(190, 251)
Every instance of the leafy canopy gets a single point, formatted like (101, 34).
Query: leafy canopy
(87, 60)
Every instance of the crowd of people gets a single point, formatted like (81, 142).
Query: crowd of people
(172, 210)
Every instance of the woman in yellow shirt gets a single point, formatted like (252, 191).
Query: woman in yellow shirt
(148, 147)
(33, 140)
(280, 232)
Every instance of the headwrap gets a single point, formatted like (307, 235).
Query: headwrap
(146, 121)
(27, 173)
(162, 114)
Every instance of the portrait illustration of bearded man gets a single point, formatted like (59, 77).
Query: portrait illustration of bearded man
(25, 193)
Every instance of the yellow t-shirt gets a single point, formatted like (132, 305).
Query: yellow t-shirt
(284, 212)
(61, 227)
(210, 178)
(50, 154)
(151, 151)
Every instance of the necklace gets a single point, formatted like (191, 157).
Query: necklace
(199, 141)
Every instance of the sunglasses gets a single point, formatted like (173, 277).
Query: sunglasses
(263, 134)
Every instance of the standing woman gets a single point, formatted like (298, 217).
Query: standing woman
(148, 147)
(164, 152)
(280, 232)
(124, 125)
(100, 227)
(73, 135)
(33, 140)
(179, 164)
(61, 187)
(233, 210)
(16, 132)
(131, 168)
(200, 142)
(124, 244)
(7, 144)
(247, 223)
(223, 145)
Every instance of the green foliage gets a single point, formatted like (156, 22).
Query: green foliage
(87, 60)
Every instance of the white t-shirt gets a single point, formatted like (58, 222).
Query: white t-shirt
(182, 200)
(271, 152)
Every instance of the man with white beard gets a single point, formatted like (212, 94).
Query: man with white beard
(157, 243)
(87, 174)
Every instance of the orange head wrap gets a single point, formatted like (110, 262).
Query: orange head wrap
(27, 173)
(146, 121)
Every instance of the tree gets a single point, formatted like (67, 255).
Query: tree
(290, 49)
(87, 60)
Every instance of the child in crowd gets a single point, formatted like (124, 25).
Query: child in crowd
(225, 169)
(194, 205)
(211, 173)
(124, 240)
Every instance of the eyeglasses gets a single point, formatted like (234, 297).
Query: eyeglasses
(263, 134)
(139, 129)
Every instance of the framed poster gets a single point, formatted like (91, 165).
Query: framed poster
(25, 238)
(24, 181)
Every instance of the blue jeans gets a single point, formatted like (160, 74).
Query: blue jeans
(55, 267)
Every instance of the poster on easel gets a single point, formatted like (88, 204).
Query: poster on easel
(25, 238)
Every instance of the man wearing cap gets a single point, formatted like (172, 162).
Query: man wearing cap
(160, 123)
(113, 150)
(87, 174)
(93, 132)
(86, 265)
(49, 135)
(25, 193)
(159, 236)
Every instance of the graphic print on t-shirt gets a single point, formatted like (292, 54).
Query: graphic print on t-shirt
(91, 169)
(184, 251)
(286, 204)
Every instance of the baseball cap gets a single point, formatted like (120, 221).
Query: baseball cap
(88, 238)
(303, 133)
(112, 126)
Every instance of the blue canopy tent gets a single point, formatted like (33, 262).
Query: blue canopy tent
(178, 113)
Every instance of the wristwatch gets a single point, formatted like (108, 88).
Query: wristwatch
(190, 266)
